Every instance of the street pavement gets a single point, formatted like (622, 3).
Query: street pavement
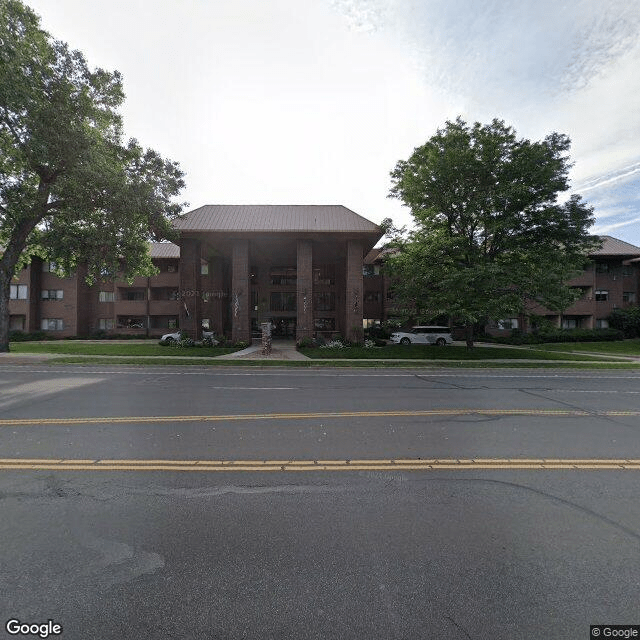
(286, 503)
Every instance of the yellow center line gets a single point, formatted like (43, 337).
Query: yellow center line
(312, 415)
(402, 464)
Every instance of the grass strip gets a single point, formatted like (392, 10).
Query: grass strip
(358, 364)
(426, 352)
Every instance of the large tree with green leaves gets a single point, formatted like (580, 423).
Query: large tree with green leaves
(70, 188)
(490, 234)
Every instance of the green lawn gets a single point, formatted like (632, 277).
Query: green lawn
(110, 349)
(617, 348)
(426, 352)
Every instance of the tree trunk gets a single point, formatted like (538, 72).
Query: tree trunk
(469, 337)
(5, 281)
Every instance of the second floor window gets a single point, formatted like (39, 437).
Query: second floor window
(52, 294)
(18, 292)
(106, 296)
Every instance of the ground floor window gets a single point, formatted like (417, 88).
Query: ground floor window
(570, 323)
(602, 295)
(508, 323)
(324, 324)
(131, 322)
(602, 324)
(104, 324)
(52, 324)
(629, 296)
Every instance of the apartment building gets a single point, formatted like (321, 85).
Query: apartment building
(610, 281)
(233, 267)
(67, 306)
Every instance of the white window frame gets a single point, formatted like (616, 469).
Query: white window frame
(52, 324)
(18, 292)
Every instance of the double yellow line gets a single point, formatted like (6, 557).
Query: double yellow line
(395, 465)
(561, 413)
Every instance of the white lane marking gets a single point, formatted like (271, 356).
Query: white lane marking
(42, 389)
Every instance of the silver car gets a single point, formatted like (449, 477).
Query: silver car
(437, 335)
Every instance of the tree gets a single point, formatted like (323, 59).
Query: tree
(489, 233)
(70, 189)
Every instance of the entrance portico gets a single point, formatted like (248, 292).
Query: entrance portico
(299, 267)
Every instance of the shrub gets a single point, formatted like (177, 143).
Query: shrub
(21, 336)
(335, 344)
(241, 344)
(305, 342)
(626, 320)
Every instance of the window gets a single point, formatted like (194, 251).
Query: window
(49, 267)
(569, 323)
(372, 296)
(324, 324)
(324, 301)
(52, 294)
(52, 324)
(283, 275)
(106, 296)
(283, 301)
(324, 274)
(602, 295)
(602, 324)
(602, 267)
(172, 268)
(627, 271)
(133, 294)
(204, 269)
(18, 291)
(629, 296)
(371, 270)
(105, 324)
(126, 322)
(508, 323)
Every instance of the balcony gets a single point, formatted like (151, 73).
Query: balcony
(165, 279)
(130, 307)
(164, 307)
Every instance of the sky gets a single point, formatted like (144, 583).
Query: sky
(315, 101)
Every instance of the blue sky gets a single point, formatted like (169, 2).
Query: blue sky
(314, 101)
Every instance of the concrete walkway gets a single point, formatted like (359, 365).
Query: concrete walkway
(280, 350)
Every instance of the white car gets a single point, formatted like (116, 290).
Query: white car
(439, 336)
(177, 335)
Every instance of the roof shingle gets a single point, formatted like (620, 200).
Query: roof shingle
(275, 218)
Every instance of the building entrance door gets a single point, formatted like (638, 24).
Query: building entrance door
(284, 327)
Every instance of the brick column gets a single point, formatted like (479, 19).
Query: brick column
(240, 292)
(304, 290)
(353, 297)
(190, 289)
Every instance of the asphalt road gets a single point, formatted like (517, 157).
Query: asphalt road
(319, 504)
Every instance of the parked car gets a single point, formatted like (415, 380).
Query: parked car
(177, 335)
(439, 336)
